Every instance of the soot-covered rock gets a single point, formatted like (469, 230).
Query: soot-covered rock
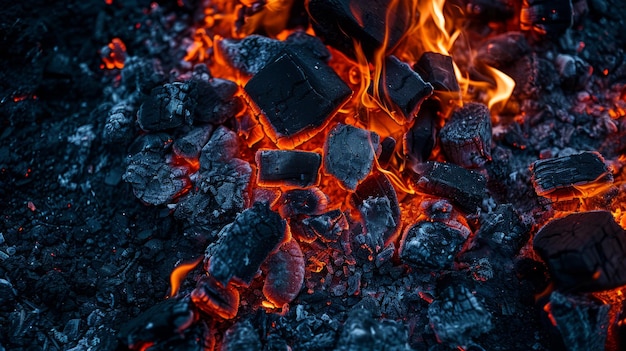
(285, 274)
(546, 17)
(349, 154)
(432, 245)
(438, 70)
(574, 176)
(244, 244)
(288, 167)
(466, 137)
(169, 106)
(584, 251)
(296, 94)
(363, 332)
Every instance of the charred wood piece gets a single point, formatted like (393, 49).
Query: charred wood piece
(222, 147)
(490, 10)
(190, 145)
(464, 187)
(327, 226)
(503, 50)
(584, 251)
(466, 137)
(169, 106)
(349, 154)
(217, 100)
(311, 201)
(363, 332)
(288, 167)
(285, 274)
(419, 140)
(402, 87)
(118, 127)
(377, 201)
(503, 231)
(251, 54)
(438, 70)
(241, 336)
(244, 244)
(304, 44)
(574, 176)
(431, 245)
(214, 299)
(546, 17)
(296, 94)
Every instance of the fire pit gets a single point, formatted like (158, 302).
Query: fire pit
(319, 175)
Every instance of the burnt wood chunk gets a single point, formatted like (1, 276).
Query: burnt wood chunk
(466, 137)
(431, 245)
(296, 94)
(288, 167)
(340, 22)
(502, 50)
(251, 54)
(215, 300)
(190, 145)
(349, 154)
(310, 201)
(244, 244)
(169, 106)
(574, 176)
(584, 251)
(402, 87)
(503, 231)
(377, 201)
(217, 100)
(546, 17)
(438, 70)
(327, 226)
(285, 274)
(419, 140)
(464, 187)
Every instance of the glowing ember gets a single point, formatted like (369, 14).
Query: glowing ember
(179, 273)
(114, 54)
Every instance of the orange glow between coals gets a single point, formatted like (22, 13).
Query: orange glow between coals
(179, 273)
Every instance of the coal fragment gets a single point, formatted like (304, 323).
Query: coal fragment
(241, 336)
(169, 106)
(118, 127)
(283, 167)
(296, 94)
(217, 100)
(363, 332)
(244, 244)
(431, 245)
(285, 274)
(438, 70)
(222, 147)
(310, 201)
(327, 226)
(387, 147)
(419, 140)
(214, 299)
(251, 54)
(190, 145)
(584, 251)
(503, 231)
(349, 154)
(546, 17)
(502, 50)
(377, 201)
(464, 187)
(402, 87)
(574, 176)
(466, 137)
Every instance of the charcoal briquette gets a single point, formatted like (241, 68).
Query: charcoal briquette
(222, 147)
(327, 226)
(431, 245)
(363, 332)
(387, 147)
(285, 274)
(466, 137)
(169, 106)
(490, 10)
(438, 70)
(288, 167)
(118, 127)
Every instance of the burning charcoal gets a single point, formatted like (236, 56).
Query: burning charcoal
(438, 70)
(241, 336)
(328, 226)
(118, 127)
(465, 188)
(169, 106)
(490, 10)
(251, 54)
(285, 274)
(340, 22)
(217, 100)
(154, 181)
(584, 251)
(162, 321)
(349, 154)
(402, 87)
(363, 332)
(244, 244)
(298, 168)
(387, 146)
(546, 17)
(502, 50)
(466, 137)
(419, 141)
(457, 316)
(304, 44)
(296, 95)
(575, 176)
(214, 299)
(503, 231)
(190, 145)
(311, 201)
(432, 245)
(581, 321)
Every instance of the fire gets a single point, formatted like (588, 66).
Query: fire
(179, 273)
(114, 54)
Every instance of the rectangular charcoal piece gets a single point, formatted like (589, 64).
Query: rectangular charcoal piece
(438, 70)
(296, 94)
(575, 176)
(464, 187)
(466, 137)
(283, 167)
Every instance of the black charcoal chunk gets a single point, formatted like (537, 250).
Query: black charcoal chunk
(349, 154)
(305, 44)
(327, 226)
(419, 140)
(573, 71)
(431, 245)
(241, 336)
(190, 145)
(466, 137)
(457, 316)
(584, 251)
(151, 142)
(296, 94)
(141, 74)
(340, 22)
(503, 231)
(438, 70)
(251, 54)
(244, 244)
(503, 50)
(118, 127)
(387, 147)
(402, 87)
(363, 332)
(581, 321)
(283, 167)
(377, 201)
(310, 201)
(223, 146)
(169, 106)
(546, 17)
(490, 10)
(574, 176)
(214, 299)
(464, 187)
(217, 100)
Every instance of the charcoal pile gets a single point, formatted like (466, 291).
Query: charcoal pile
(313, 175)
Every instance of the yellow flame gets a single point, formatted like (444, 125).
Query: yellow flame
(503, 90)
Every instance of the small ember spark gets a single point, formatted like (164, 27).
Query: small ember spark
(114, 54)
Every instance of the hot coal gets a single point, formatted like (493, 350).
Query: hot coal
(169, 106)
(438, 70)
(243, 245)
(466, 137)
(297, 168)
(190, 145)
(575, 176)
(432, 245)
(285, 274)
(349, 154)
(584, 251)
(310, 201)
(296, 94)
(546, 17)
(215, 299)
(419, 141)
(216, 100)
(503, 50)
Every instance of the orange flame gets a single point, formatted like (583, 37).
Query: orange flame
(503, 90)
(114, 54)
(179, 273)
